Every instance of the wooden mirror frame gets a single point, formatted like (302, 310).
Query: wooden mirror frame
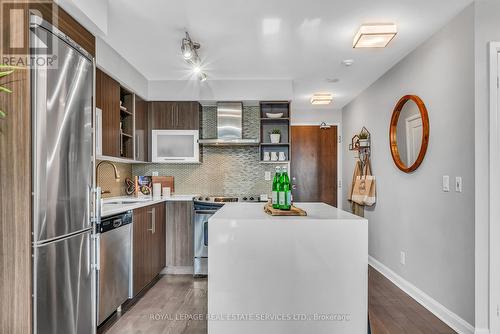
(393, 133)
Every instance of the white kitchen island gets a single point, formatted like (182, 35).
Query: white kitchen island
(271, 275)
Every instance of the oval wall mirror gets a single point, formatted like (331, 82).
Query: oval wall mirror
(409, 133)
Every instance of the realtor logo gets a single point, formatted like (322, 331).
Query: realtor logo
(21, 44)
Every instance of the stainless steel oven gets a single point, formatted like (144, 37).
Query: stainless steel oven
(201, 240)
(205, 207)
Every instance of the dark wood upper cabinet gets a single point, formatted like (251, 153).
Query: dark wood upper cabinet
(141, 129)
(108, 100)
(175, 115)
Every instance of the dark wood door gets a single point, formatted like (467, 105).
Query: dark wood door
(314, 164)
(188, 115)
(175, 115)
(142, 249)
(179, 234)
(158, 240)
(108, 100)
(141, 129)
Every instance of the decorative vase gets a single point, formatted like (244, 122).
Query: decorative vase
(275, 138)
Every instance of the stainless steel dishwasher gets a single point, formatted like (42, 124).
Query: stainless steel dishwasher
(114, 266)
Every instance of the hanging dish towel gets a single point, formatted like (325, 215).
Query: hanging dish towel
(356, 208)
(365, 192)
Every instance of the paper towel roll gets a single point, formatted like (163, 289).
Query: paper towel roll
(157, 190)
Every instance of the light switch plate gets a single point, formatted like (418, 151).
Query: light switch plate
(458, 184)
(446, 183)
(267, 176)
(402, 258)
(154, 174)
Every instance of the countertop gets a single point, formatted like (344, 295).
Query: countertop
(289, 275)
(255, 211)
(115, 205)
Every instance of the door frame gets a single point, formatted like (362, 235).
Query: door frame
(408, 121)
(494, 196)
(339, 155)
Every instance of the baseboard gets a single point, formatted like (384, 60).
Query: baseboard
(451, 319)
(177, 270)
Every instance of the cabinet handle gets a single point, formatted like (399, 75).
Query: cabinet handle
(153, 220)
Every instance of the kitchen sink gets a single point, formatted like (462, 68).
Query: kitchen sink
(123, 201)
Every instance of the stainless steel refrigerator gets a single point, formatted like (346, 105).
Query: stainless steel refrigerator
(63, 179)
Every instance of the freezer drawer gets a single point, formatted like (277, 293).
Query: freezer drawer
(63, 286)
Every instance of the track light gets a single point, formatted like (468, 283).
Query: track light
(187, 51)
(190, 55)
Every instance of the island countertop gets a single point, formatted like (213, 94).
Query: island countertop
(269, 274)
(255, 211)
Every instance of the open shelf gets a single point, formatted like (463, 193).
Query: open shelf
(127, 123)
(268, 124)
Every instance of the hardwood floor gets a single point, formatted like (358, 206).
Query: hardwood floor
(394, 312)
(163, 308)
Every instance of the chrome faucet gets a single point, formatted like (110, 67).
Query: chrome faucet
(117, 175)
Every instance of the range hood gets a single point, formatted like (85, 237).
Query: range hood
(229, 126)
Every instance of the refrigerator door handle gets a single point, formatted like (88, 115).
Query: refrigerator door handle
(97, 259)
(97, 205)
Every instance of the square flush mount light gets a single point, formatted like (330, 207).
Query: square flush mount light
(321, 98)
(374, 35)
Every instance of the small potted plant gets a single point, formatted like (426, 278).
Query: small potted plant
(363, 138)
(275, 135)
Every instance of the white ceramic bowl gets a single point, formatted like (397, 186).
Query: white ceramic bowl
(274, 115)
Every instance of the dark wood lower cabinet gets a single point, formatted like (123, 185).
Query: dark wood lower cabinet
(179, 234)
(148, 245)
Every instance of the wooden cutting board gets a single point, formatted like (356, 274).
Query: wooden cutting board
(166, 181)
(294, 211)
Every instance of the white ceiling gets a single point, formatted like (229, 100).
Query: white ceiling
(304, 41)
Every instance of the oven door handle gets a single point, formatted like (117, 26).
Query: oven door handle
(205, 212)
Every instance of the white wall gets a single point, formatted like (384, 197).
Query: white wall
(120, 69)
(315, 116)
(220, 90)
(92, 14)
(413, 214)
(487, 28)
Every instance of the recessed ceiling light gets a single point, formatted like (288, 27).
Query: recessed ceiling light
(347, 62)
(321, 98)
(374, 35)
(203, 77)
(196, 69)
(332, 80)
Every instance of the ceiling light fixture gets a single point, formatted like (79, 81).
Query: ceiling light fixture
(321, 98)
(347, 62)
(190, 55)
(374, 35)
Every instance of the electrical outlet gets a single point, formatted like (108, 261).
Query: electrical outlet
(267, 176)
(458, 184)
(155, 173)
(446, 183)
(402, 258)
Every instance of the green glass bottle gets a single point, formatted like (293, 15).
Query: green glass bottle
(284, 193)
(276, 181)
